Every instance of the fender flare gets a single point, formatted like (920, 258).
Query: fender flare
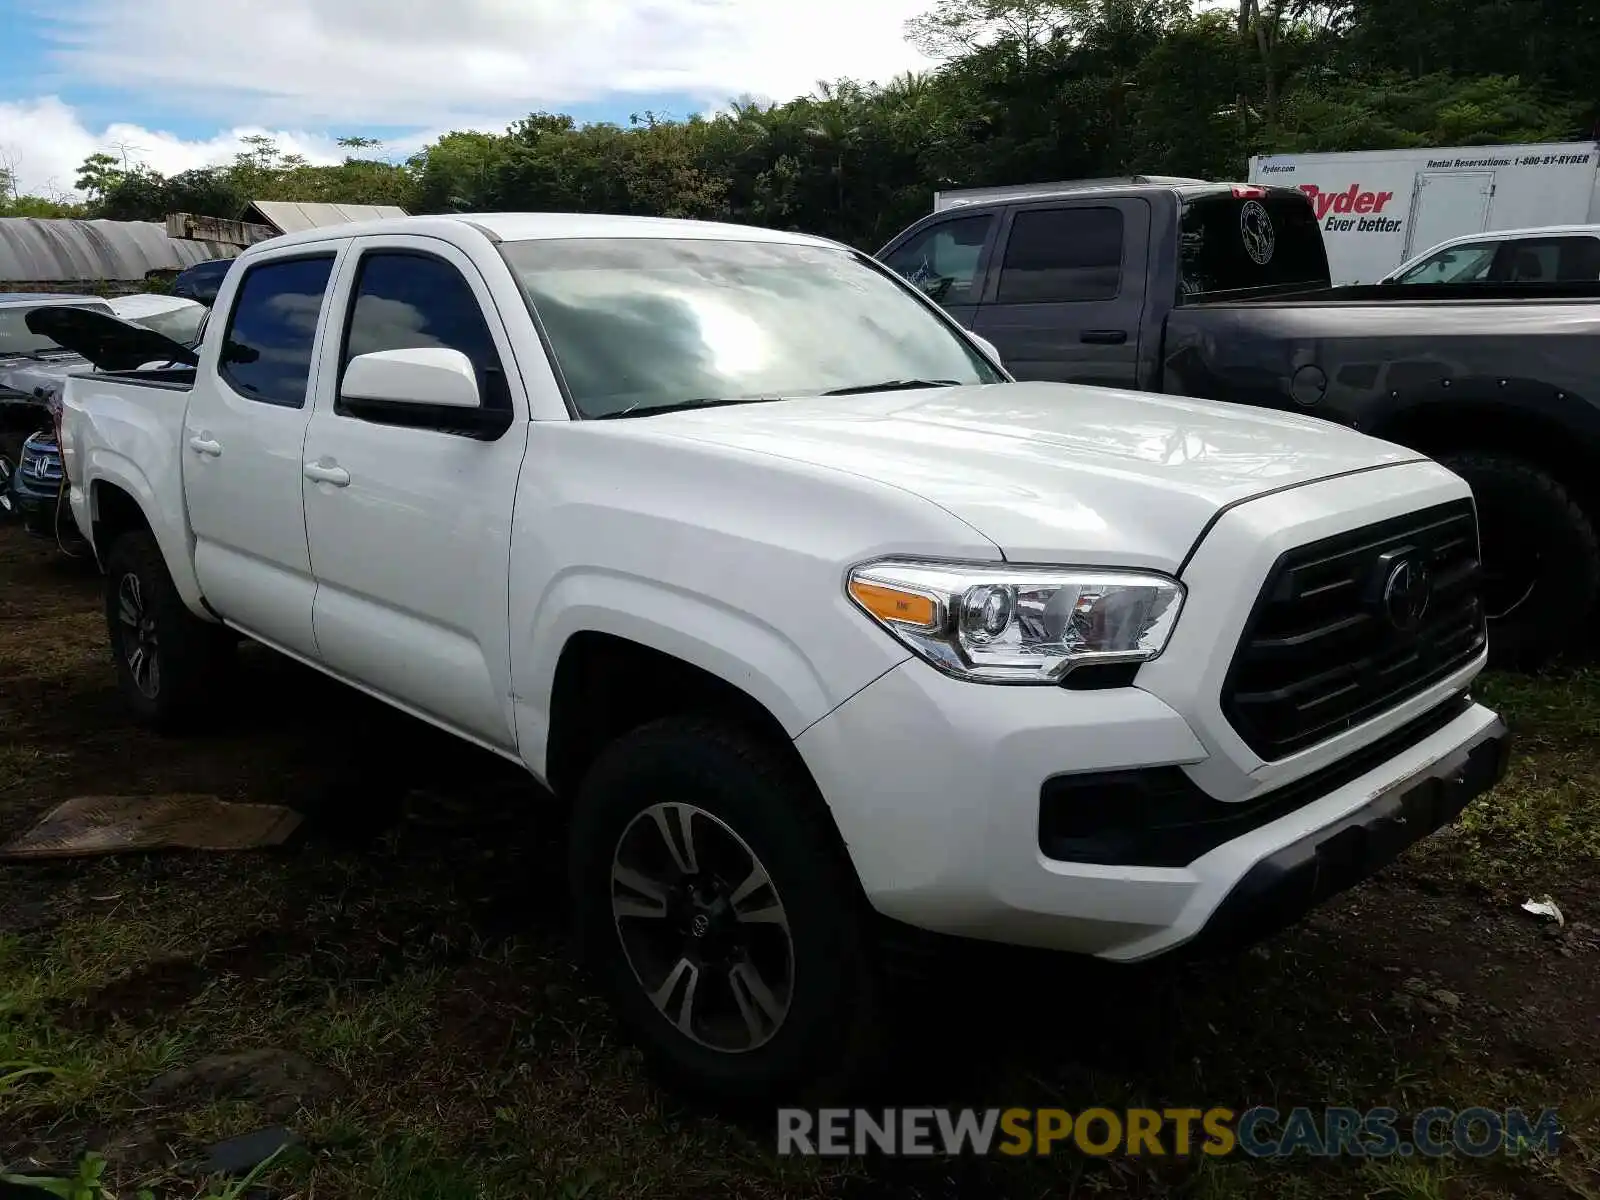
(168, 523)
(751, 655)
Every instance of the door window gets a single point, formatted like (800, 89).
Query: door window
(266, 349)
(1062, 254)
(943, 259)
(1551, 260)
(406, 301)
(1456, 264)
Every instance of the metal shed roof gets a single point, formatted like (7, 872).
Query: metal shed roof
(60, 250)
(294, 217)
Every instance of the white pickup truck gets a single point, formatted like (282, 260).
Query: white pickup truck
(828, 631)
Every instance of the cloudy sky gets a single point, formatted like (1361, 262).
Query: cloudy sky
(176, 83)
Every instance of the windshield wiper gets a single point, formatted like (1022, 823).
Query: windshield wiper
(892, 385)
(642, 409)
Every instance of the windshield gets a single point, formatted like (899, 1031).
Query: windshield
(17, 339)
(182, 325)
(643, 324)
(1460, 264)
(1231, 243)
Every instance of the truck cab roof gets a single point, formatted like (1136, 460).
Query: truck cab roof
(1129, 185)
(518, 227)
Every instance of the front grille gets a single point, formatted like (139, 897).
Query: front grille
(1331, 643)
(41, 460)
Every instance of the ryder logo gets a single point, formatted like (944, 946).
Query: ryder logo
(1367, 207)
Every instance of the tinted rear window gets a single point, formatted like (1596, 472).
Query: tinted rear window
(1231, 244)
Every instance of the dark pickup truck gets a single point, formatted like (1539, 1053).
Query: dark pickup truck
(1221, 291)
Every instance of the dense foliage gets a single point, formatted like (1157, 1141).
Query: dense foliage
(1027, 90)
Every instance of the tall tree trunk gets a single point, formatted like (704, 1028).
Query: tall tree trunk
(1265, 27)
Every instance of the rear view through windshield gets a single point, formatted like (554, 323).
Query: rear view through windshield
(1231, 243)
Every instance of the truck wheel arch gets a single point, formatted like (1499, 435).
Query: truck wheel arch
(1523, 468)
(115, 512)
(606, 686)
(1444, 428)
(118, 505)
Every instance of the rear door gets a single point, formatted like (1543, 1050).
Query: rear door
(1066, 300)
(946, 258)
(242, 438)
(1446, 206)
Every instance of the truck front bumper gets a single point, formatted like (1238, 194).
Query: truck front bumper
(941, 791)
(1287, 884)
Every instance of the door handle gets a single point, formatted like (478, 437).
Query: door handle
(327, 473)
(206, 446)
(1104, 337)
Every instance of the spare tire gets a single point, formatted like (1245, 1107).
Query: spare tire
(1541, 558)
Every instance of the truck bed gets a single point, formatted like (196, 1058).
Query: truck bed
(1422, 293)
(1372, 357)
(126, 428)
(171, 379)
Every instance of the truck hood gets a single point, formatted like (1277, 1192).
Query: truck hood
(1051, 472)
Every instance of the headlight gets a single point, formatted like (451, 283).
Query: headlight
(1003, 624)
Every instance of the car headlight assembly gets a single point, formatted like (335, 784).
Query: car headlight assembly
(997, 624)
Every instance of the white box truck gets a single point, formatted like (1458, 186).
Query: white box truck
(1378, 208)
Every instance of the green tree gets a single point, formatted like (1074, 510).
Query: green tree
(99, 173)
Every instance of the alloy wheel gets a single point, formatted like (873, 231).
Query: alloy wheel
(139, 641)
(703, 928)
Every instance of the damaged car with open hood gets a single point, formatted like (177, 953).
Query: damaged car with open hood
(44, 340)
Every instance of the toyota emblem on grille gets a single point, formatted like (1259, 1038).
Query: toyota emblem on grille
(1406, 594)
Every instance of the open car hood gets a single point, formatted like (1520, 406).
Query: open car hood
(108, 342)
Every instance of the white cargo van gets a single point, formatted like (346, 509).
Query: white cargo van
(1379, 208)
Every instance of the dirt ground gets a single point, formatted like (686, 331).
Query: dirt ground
(398, 979)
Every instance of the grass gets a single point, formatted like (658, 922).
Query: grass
(410, 950)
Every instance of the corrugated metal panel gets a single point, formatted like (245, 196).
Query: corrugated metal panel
(189, 227)
(293, 217)
(59, 250)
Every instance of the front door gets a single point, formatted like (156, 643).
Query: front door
(410, 543)
(945, 258)
(241, 449)
(1068, 298)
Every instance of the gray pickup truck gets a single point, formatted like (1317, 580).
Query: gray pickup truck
(1221, 291)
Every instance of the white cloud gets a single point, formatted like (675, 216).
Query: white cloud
(43, 141)
(299, 68)
(430, 62)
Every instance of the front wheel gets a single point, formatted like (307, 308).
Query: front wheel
(1541, 558)
(719, 915)
(168, 660)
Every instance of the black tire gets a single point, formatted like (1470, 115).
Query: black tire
(190, 656)
(1541, 559)
(825, 1043)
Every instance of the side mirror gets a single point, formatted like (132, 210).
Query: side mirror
(987, 347)
(430, 376)
(426, 387)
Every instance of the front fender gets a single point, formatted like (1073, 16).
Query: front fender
(734, 646)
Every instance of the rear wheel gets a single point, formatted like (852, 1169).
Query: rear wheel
(168, 660)
(1541, 558)
(718, 914)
